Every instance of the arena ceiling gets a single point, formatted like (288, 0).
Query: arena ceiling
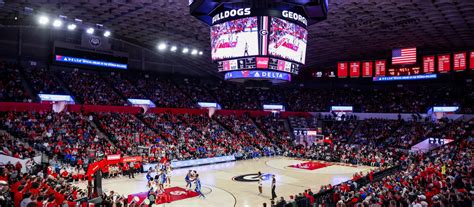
(354, 29)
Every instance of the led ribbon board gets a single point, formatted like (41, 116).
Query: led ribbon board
(445, 108)
(342, 108)
(83, 61)
(55, 97)
(273, 107)
(209, 105)
(402, 78)
(147, 102)
(257, 74)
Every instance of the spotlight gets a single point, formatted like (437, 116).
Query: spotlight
(57, 23)
(194, 52)
(43, 20)
(162, 46)
(200, 52)
(185, 50)
(173, 49)
(71, 27)
(90, 30)
(107, 33)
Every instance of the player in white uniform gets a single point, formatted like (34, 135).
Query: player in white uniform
(260, 183)
(168, 174)
(151, 184)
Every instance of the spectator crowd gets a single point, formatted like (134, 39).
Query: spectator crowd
(114, 88)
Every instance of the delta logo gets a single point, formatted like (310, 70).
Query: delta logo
(59, 57)
(272, 75)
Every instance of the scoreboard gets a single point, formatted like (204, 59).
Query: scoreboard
(250, 63)
(255, 40)
(404, 71)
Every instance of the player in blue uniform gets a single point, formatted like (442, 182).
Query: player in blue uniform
(148, 174)
(163, 178)
(198, 186)
(188, 180)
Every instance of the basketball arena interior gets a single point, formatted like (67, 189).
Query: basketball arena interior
(236, 103)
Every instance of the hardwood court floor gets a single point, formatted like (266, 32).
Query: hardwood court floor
(222, 191)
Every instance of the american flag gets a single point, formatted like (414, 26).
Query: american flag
(404, 56)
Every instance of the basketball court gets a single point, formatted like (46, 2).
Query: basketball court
(234, 183)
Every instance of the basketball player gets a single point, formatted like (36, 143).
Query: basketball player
(162, 181)
(273, 187)
(260, 180)
(157, 186)
(151, 185)
(188, 180)
(198, 187)
(157, 167)
(246, 53)
(168, 174)
(148, 174)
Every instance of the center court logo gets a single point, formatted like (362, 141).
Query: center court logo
(178, 193)
(253, 177)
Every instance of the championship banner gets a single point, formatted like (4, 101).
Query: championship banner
(367, 69)
(428, 64)
(471, 60)
(459, 60)
(444, 63)
(342, 69)
(380, 67)
(355, 69)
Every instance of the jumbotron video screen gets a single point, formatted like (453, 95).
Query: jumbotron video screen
(235, 38)
(287, 40)
(255, 41)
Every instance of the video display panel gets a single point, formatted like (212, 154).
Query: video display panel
(235, 38)
(89, 59)
(287, 40)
